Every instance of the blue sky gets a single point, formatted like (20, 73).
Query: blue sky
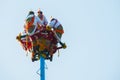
(92, 35)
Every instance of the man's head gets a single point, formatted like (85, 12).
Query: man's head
(40, 12)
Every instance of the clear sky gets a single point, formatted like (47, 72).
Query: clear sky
(92, 35)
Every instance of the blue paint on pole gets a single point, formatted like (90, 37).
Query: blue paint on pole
(42, 67)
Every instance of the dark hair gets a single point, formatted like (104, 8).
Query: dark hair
(53, 19)
(31, 12)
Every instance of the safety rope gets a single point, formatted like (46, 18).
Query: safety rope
(38, 71)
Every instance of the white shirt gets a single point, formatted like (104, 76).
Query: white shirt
(37, 21)
(44, 21)
(54, 23)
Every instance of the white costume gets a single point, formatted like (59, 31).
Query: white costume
(37, 22)
(55, 24)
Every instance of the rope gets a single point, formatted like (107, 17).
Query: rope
(38, 71)
(58, 53)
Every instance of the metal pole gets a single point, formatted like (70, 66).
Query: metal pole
(42, 67)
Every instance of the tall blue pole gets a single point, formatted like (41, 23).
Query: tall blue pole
(42, 68)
